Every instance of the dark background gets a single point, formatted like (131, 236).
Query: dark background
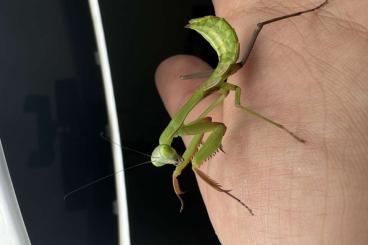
(52, 113)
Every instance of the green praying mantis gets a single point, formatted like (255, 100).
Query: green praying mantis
(222, 37)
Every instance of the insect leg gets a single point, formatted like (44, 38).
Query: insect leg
(254, 113)
(197, 129)
(202, 74)
(187, 156)
(207, 150)
(219, 188)
(262, 24)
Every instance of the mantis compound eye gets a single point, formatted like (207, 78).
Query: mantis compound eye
(164, 154)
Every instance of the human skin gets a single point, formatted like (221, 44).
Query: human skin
(309, 73)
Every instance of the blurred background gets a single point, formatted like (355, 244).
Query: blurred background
(52, 112)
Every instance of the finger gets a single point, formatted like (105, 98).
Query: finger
(174, 91)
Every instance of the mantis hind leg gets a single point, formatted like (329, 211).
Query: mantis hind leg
(260, 26)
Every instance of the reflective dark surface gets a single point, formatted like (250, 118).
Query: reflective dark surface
(52, 112)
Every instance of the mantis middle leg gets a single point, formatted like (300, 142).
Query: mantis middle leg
(229, 86)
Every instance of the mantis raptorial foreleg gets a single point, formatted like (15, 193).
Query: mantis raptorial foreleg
(193, 153)
(209, 148)
(224, 40)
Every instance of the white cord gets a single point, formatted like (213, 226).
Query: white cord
(12, 228)
(122, 207)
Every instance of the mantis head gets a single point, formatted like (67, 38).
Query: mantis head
(164, 154)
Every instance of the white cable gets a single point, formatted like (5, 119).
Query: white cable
(12, 228)
(122, 207)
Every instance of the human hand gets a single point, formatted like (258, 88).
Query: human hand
(309, 74)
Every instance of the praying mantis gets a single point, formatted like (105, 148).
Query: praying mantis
(222, 37)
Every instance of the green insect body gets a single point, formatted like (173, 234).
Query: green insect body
(222, 37)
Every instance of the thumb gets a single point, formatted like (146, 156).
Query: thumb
(175, 91)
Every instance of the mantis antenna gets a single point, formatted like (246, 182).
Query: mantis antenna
(103, 136)
(102, 179)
